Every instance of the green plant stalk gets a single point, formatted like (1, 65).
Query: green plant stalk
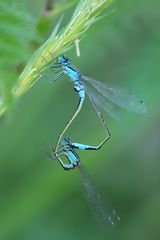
(83, 17)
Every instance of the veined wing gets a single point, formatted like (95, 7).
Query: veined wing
(102, 103)
(119, 96)
(103, 213)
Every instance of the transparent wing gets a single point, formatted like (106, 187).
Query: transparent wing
(105, 216)
(118, 95)
(102, 102)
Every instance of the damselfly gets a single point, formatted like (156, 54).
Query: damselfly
(100, 97)
(104, 215)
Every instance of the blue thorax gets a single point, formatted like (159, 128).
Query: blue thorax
(68, 69)
(69, 152)
(72, 73)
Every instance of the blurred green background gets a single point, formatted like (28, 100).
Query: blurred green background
(38, 199)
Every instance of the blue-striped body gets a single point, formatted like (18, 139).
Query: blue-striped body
(72, 73)
(69, 145)
(83, 146)
(72, 156)
(75, 76)
(65, 64)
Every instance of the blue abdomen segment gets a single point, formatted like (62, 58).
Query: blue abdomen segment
(83, 146)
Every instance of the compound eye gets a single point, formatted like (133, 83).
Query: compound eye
(61, 59)
(65, 140)
(68, 141)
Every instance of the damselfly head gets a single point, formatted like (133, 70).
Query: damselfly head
(64, 60)
(66, 142)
